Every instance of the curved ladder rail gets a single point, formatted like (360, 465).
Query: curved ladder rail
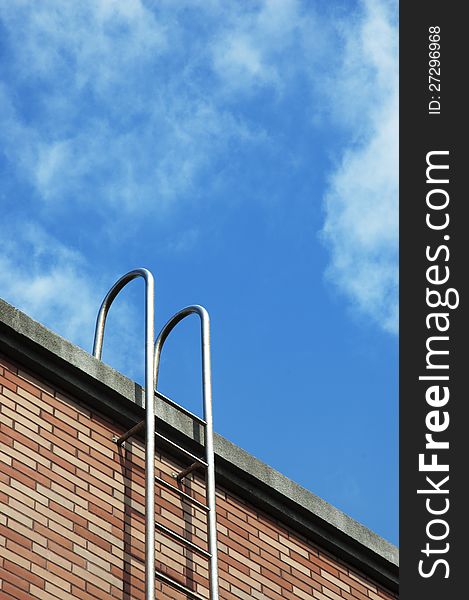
(208, 463)
(207, 422)
(149, 407)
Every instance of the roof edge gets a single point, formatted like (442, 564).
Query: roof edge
(107, 390)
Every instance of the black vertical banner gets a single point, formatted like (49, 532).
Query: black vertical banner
(434, 241)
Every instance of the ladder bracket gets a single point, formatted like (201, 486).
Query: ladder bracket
(116, 440)
(195, 466)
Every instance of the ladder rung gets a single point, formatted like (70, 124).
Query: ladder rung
(139, 426)
(181, 408)
(181, 449)
(179, 586)
(167, 485)
(183, 540)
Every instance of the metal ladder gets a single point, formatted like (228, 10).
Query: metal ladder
(152, 364)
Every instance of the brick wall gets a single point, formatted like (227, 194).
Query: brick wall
(72, 526)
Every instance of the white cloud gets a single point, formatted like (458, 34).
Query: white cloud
(132, 111)
(264, 47)
(102, 105)
(361, 223)
(183, 241)
(53, 285)
(90, 43)
(121, 117)
(46, 279)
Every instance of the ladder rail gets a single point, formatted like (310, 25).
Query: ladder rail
(149, 406)
(208, 418)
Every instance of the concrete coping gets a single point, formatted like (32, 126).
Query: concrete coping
(99, 385)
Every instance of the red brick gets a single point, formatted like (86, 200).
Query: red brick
(22, 574)
(14, 592)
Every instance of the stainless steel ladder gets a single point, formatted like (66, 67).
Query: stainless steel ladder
(152, 364)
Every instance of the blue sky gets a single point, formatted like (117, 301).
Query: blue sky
(246, 153)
